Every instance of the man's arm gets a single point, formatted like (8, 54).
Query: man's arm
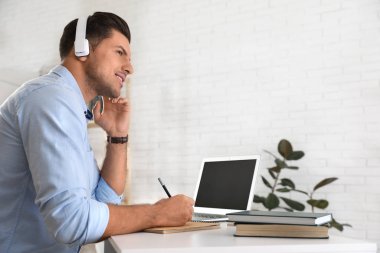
(60, 162)
(174, 211)
(115, 122)
(114, 170)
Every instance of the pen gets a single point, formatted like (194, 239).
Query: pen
(163, 186)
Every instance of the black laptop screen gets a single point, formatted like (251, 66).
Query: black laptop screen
(226, 184)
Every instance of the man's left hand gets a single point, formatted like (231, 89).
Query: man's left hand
(115, 116)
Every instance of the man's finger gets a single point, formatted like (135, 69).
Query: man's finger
(122, 100)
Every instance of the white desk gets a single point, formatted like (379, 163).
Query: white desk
(222, 241)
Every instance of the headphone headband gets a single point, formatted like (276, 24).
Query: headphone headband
(81, 45)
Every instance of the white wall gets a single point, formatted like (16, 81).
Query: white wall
(217, 78)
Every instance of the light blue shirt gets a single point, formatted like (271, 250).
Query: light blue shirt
(52, 197)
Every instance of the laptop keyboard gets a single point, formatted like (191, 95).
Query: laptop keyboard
(205, 217)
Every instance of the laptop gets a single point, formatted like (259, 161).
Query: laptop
(225, 185)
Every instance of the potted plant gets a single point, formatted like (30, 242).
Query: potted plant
(281, 185)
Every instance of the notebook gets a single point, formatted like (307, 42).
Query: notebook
(225, 185)
(189, 226)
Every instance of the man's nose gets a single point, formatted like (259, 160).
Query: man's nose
(128, 67)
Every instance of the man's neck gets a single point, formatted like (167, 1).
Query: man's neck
(77, 70)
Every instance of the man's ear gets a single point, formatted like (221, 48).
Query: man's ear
(82, 58)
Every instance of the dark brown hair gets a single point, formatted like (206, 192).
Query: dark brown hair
(99, 27)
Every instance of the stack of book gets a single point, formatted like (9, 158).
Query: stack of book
(281, 224)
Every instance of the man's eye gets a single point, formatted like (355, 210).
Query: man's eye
(119, 52)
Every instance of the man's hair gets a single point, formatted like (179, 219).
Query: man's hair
(99, 27)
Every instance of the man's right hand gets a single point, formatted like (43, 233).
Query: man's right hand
(174, 211)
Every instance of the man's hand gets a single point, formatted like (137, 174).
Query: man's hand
(115, 117)
(174, 211)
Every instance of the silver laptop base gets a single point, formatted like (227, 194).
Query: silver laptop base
(205, 217)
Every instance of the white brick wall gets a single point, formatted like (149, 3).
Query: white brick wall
(217, 78)
(234, 77)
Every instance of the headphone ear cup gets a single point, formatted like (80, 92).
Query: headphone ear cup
(82, 48)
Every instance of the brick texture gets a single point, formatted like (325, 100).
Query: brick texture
(220, 78)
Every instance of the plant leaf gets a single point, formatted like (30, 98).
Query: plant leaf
(271, 201)
(294, 204)
(325, 182)
(292, 167)
(284, 148)
(301, 192)
(280, 164)
(275, 169)
(283, 190)
(336, 225)
(266, 182)
(271, 173)
(287, 182)
(296, 155)
(319, 203)
(258, 199)
(339, 226)
(287, 209)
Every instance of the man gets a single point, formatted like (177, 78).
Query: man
(53, 197)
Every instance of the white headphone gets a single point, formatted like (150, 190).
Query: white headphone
(81, 46)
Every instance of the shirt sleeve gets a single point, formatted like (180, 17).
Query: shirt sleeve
(106, 194)
(54, 135)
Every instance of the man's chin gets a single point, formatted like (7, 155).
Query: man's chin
(114, 94)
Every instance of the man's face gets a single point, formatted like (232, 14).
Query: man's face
(108, 65)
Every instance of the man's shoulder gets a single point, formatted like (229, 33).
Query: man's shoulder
(50, 97)
(49, 83)
(43, 89)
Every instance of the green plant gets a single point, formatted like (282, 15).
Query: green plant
(286, 185)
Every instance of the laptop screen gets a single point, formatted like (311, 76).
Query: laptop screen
(226, 184)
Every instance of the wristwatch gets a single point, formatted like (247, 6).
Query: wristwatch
(117, 140)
